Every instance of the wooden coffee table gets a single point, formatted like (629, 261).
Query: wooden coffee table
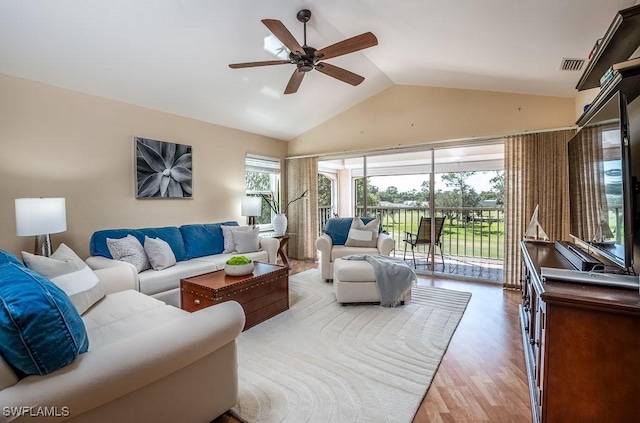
(262, 294)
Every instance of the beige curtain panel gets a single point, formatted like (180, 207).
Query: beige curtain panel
(535, 174)
(302, 174)
(590, 189)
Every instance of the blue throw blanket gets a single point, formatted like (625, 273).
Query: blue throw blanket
(394, 277)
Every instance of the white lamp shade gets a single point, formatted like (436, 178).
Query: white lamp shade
(40, 216)
(251, 206)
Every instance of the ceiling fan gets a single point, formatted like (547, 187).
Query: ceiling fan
(307, 58)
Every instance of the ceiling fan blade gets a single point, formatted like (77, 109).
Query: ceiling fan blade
(255, 64)
(282, 33)
(359, 42)
(294, 82)
(340, 74)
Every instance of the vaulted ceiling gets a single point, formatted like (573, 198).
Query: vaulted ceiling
(173, 55)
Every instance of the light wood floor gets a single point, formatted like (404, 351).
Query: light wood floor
(482, 376)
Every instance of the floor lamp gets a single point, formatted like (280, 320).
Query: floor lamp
(41, 217)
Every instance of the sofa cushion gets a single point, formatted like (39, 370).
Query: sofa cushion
(338, 228)
(159, 253)
(171, 234)
(363, 235)
(130, 250)
(98, 243)
(41, 330)
(227, 233)
(152, 282)
(339, 251)
(71, 274)
(246, 242)
(124, 314)
(204, 239)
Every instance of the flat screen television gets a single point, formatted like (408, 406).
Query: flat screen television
(600, 184)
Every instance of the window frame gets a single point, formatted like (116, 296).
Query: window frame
(268, 165)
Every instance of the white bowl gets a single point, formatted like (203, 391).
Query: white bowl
(238, 269)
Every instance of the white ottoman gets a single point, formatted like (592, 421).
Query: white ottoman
(355, 282)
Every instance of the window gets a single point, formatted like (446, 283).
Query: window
(262, 177)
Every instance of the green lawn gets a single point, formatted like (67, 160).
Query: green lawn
(475, 238)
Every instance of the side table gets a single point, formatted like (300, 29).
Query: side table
(282, 249)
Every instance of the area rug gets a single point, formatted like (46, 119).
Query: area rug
(323, 362)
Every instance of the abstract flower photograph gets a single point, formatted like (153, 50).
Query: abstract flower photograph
(163, 169)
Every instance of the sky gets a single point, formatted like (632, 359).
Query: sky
(480, 182)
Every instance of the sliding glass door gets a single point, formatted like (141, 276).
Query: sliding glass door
(458, 189)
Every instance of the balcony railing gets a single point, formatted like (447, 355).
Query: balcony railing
(472, 232)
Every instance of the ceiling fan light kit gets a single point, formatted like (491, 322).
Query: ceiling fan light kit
(307, 58)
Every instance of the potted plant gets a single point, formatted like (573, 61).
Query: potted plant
(280, 219)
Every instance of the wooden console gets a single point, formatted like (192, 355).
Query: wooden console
(581, 345)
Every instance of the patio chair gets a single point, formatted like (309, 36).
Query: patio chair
(423, 237)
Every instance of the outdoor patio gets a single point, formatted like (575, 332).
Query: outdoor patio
(463, 267)
(472, 247)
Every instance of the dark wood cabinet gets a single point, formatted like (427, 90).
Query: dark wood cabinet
(581, 343)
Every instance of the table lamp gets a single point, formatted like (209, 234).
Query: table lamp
(40, 217)
(251, 207)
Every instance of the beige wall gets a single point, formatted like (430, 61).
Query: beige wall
(404, 115)
(60, 143)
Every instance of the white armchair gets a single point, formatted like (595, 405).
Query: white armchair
(331, 245)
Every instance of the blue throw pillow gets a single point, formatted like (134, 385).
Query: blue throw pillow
(204, 239)
(338, 228)
(171, 235)
(98, 243)
(40, 329)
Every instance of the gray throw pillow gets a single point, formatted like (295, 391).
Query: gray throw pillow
(361, 235)
(71, 274)
(246, 242)
(129, 249)
(159, 253)
(227, 233)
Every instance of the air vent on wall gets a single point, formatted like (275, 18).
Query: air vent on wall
(571, 64)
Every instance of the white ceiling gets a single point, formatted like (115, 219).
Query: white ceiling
(173, 55)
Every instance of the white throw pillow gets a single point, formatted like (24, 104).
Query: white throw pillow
(130, 250)
(246, 242)
(159, 253)
(227, 233)
(71, 274)
(361, 235)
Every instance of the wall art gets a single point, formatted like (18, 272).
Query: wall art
(163, 169)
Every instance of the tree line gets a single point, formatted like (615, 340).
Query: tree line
(460, 194)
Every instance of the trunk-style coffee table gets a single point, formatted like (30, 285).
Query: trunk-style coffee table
(262, 294)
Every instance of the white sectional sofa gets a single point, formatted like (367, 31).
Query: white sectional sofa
(147, 361)
(198, 249)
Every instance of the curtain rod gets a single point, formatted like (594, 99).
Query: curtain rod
(444, 143)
